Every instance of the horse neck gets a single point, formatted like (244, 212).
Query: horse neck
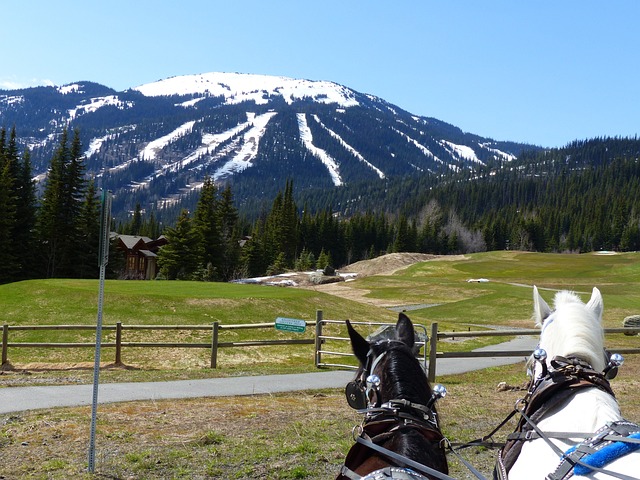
(586, 411)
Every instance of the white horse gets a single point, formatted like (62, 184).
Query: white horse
(572, 340)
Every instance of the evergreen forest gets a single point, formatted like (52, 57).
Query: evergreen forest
(580, 198)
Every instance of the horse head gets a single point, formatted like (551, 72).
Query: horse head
(571, 329)
(392, 390)
(393, 363)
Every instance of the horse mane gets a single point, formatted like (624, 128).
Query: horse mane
(401, 365)
(573, 329)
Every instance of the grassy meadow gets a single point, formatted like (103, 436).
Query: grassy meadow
(454, 302)
(303, 435)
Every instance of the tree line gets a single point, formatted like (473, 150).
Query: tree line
(552, 202)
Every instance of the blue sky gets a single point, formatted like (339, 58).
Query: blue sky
(545, 72)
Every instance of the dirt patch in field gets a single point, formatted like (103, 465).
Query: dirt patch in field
(392, 262)
(383, 265)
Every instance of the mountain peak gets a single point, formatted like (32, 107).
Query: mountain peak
(240, 87)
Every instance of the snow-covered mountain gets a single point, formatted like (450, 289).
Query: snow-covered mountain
(153, 144)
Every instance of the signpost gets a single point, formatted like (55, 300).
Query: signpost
(103, 259)
(290, 324)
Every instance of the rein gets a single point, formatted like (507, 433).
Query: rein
(381, 424)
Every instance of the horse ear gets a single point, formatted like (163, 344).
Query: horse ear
(596, 303)
(404, 330)
(359, 345)
(540, 308)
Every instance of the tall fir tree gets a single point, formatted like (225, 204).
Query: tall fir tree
(207, 223)
(58, 228)
(178, 260)
(89, 228)
(24, 231)
(8, 261)
(229, 235)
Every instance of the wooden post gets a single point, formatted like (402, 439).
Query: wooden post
(433, 350)
(119, 343)
(318, 355)
(5, 341)
(214, 345)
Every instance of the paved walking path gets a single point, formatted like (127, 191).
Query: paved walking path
(16, 399)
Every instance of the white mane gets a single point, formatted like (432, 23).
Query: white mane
(572, 328)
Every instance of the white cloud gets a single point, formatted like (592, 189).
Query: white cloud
(12, 83)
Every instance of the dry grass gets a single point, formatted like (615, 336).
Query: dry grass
(300, 435)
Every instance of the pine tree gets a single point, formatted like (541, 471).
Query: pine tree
(207, 223)
(229, 235)
(87, 258)
(8, 262)
(25, 222)
(179, 258)
(58, 229)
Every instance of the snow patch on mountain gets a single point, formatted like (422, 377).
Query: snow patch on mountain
(10, 100)
(96, 143)
(71, 88)
(97, 103)
(418, 145)
(461, 151)
(251, 139)
(152, 149)
(238, 87)
(349, 148)
(211, 141)
(324, 157)
(499, 153)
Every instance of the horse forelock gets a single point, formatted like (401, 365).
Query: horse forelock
(573, 329)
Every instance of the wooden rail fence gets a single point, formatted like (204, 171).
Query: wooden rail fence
(214, 344)
(429, 346)
(435, 336)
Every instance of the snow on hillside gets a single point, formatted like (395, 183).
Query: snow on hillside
(422, 148)
(71, 88)
(238, 87)
(349, 148)
(461, 151)
(324, 157)
(242, 160)
(507, 156)
(151, 150)
(96, 103)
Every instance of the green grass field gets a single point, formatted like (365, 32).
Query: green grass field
(457, 304)
(236, 438)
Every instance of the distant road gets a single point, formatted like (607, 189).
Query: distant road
(18, 399)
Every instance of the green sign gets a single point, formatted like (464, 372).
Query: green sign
(290, 324)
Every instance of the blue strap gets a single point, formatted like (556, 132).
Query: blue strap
(605, 455)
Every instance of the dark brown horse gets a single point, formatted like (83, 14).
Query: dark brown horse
(400, 436)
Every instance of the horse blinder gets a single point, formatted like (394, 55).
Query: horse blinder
(361, 397)
(356, 395)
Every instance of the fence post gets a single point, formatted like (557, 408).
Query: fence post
(433, 350)
(5, 341)
(318, 355)
(119, 343)
(214, 345)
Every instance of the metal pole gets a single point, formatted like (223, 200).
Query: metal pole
(119, 343)
(5, 340)
(214, 345)
(433, 351)
(318, 355)
(105, 225)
